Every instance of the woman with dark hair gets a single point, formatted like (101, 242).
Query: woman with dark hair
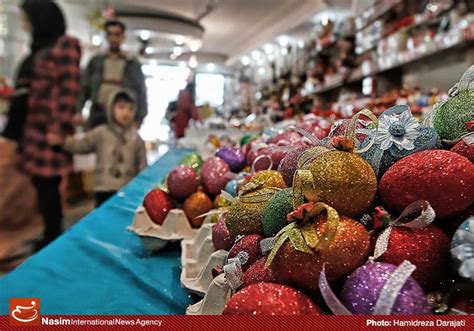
(47, 88)
(185, 109)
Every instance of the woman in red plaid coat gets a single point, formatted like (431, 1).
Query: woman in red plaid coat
(54, 85)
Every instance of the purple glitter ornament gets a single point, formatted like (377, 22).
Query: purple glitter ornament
(363, 287)
(221, 237)
(288, 165)
(234, 157)
(213, 175)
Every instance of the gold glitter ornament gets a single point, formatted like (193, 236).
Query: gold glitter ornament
(341, 179)
(268, 178)
(245, 215)
(221, 202)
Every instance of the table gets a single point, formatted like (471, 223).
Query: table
(98, 267)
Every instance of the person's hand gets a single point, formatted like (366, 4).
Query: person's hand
(54, 139)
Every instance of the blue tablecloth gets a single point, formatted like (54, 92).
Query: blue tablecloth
(98, 267)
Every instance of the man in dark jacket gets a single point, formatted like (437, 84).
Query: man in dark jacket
(109, 72)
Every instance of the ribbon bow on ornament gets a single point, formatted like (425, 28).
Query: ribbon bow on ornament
(301, 232)
(382, 219)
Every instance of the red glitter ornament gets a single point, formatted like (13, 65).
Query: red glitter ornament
(182, 181)
(270, 299)
(251, 246)
(157, 204)
(347, 251)
(257, 273)
(427, 249)
(464, 149)
(273, 153)
(443, 178)
(221, 237)
(213, 175)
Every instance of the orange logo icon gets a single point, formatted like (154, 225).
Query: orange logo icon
(25, 311)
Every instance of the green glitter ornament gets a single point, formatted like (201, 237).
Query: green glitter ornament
(194, 160)
(245, 215)
(451, 118)
(276, 211)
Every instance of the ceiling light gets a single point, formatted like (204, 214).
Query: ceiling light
(268, 48)
(179, 40)
(283, 41)
(284, 51)
(245, 60)
(255, 55)
(211, 67)
(301, 44)
(270, 57)
(173, 56)
(193, 63)
(177, 51)
(145, 35)
(261, 71)
(195, 44)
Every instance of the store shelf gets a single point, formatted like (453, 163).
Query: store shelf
(422, 58)
(372, 17)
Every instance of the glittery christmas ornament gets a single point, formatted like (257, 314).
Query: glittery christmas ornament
(245, 215)
(427, 249)
(231, 187)
(270, 299)
(463, 249)
(289, 164)
(465, 149)
(276, 211)
(221, 202)
(268, 178)
(221, 237)
(443, 178)
(273, 156)
(341, 179)
(233, 156)
(398, 135)
(287, 138)
(339, 129)
(451, 118)
(364, 286)
(196, 204)
(182, 182)
(157, 204)
(194, 160)
(250, 245)
(258, 272)
(213, 175)
(339, 242)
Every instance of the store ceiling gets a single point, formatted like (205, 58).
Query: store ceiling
(232, 27)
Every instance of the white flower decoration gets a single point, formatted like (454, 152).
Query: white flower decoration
(398, 129)
(465, 251)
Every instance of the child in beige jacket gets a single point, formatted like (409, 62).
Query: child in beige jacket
(119, 149)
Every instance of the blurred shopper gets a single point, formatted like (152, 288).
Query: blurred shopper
(119, 149)
(185, 109)
(108, 72)
(48, 86)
